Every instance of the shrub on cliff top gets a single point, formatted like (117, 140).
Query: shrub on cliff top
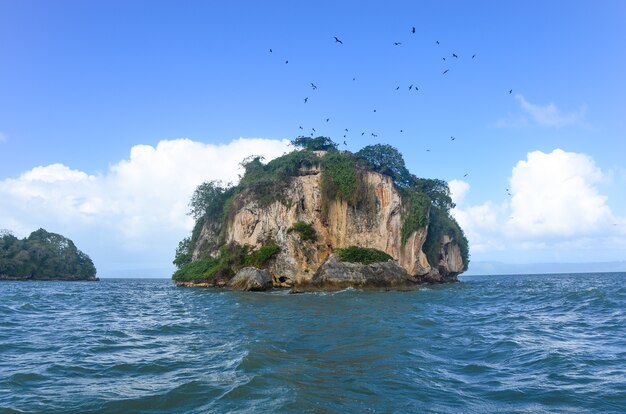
(363, 255)
(437, 191)
(314, 144)
(386, 160)
(208, 200)
(267, 182)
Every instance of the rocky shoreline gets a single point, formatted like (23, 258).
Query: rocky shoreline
(333, 275)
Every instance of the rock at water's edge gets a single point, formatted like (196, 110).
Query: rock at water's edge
(251, 279)
(336, 275)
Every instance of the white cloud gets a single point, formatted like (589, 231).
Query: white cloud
(458, 190)
(555, 194)
(549, 115)
(546, 115)
(138, 205)
(554, 204)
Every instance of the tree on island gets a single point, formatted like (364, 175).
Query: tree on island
(43, 255)
(314, 144)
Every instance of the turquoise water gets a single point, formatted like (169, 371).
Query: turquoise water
(515, 344)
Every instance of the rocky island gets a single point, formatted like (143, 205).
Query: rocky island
(322, 219)
(43, 256)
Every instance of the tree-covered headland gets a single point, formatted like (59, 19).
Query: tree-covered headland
(43, 256)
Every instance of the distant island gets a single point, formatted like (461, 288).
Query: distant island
(43, 256)
(319, 218)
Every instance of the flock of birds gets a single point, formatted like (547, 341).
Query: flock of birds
(411, 87)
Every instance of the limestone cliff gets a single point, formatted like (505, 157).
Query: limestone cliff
(378, 223)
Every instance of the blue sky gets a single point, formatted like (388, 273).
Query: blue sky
(88, 90)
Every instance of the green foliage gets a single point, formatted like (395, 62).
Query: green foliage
(212, 202)
(208, 200)
(43, 255)
(306, 230)
(230, 259)
(414, 213)
(267, 182)
(361, 255)
(314, 144)
(263, 255)
(339, 177)
(437, 191)
(183, 253)
(387, 160)
(441, 223)
(202, 269)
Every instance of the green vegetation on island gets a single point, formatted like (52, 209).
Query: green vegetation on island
(43, 256)
(306, 230)
(425, 203)
(230, 259)
(355, 254)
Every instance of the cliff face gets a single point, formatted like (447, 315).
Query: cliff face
(336, 224)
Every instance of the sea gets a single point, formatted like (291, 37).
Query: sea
(553, 343)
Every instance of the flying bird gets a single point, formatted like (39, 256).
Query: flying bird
(452, 138)
(337, 40)
(300, 127)
(353, 79)
(271, 50)
(374, 110)
(327, 119)
(465, 175)
(413, 30)
(306, 100)
(444, 58)
(437, 41)
(397, 88)
(454, 55)
(427, 150)
(313, 129)
(344, 142)
(473, 56)
(411, 87)
(445, 71)
(286, 62)
(362, 133)
(510, 91)
(346, 129)
(401, 131)
(397, 43)
(313, 86)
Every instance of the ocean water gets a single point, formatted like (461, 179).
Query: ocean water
(514, 344)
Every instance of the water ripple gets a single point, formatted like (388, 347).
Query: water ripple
(514, 344)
